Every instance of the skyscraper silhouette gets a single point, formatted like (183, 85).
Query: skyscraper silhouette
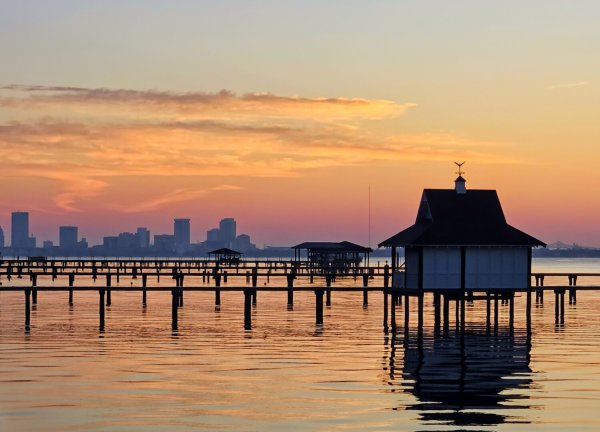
(19, 230)
(181, 230)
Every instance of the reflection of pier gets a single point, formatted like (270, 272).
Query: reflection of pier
(464, 379)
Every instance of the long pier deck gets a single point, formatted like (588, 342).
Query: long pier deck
(214, 276)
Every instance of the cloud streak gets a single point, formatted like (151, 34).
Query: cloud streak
(116, 134)
(568, 85)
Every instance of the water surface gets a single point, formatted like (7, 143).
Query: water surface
(288, 374)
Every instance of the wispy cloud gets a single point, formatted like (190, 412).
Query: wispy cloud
(568, 85)
(112, 134)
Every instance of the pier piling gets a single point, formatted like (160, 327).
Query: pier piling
(319, 306)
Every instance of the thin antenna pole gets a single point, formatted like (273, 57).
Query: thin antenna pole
(369, 214)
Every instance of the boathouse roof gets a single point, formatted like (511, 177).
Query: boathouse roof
(472, 218)
(224, 251)
(344, 246)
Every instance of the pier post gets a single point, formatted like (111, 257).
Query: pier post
(556, 307)
(33, 290)
(562, 306)
(144, 285)
(488, 312)
(406, 313)
(392, 313)
(108, 294)
(225, 276)
(496, 313)
(27, 309)
(511, 312)
(328, 278)
(463, 320)
(174, 307)
(420, 315)
(572, 290)
(528, 312)
(254, 284)
(247, 277)
(436, 311)
(248, 294)
(71, 283)
(366, 292)
(319, 306)
(180, 289)
(386, 276)
(385, 310)
(217, 291)
(290, 291)
(446, 312)
(101, 307)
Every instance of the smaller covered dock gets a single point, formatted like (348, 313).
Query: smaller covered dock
(332, 257)
(226, 256)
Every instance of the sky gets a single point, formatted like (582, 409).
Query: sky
(289, 115)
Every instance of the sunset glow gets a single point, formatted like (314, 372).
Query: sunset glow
(290, 143)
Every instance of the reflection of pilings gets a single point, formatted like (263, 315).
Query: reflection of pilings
(559, 306)
(572, 291)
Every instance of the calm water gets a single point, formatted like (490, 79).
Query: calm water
(286, 374)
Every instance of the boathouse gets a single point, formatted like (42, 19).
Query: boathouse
(461, 240)
(226, 256)
(336, 257)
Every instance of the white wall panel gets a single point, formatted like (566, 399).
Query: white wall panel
(441, 267)
(496, 267)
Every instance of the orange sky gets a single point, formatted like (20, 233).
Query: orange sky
(291, 146)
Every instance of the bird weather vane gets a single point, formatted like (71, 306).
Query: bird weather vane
(459, 165)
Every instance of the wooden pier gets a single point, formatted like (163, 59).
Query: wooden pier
(375, 280)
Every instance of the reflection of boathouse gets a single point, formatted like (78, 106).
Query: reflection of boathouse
(461, 240)
(331, 257)
(467, 379)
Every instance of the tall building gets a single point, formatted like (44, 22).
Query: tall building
(1, 238)
(143, 236)
(68, 237)
(227, 231)
(19, 230)
(181, 230)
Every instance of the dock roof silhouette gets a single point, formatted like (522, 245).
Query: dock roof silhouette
(224, 251)
(344, 246)
(473, 218)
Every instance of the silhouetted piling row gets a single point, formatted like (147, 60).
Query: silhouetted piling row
(441, 299)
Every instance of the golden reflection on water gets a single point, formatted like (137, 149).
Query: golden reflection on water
(288, 374)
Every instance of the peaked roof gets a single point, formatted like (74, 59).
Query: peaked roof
(474, 218)
(344, 246)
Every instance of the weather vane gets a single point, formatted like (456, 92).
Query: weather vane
(459, 165)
